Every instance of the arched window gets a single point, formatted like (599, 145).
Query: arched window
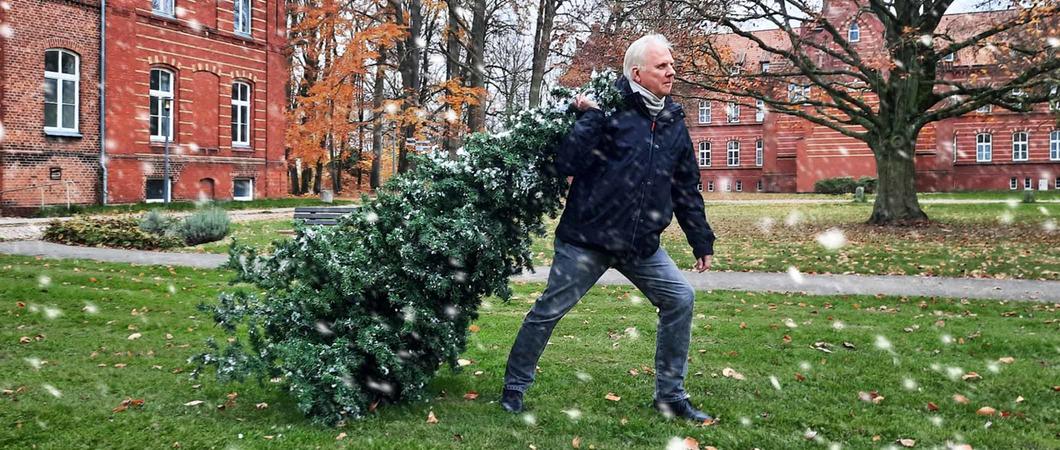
(62, 80)
(734, 153)
(240, 114)
(854, 32)
(161, 92)
(704, 154)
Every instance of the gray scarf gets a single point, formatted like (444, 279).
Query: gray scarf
(654, 104)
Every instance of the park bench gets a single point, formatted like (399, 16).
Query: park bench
(321, 215)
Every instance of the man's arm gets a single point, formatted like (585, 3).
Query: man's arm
(688, 206)
(575, 153)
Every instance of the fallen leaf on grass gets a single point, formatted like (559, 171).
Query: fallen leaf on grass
(960, 399)
(729, 372)
(341, 436)
(986, 411)
(691, 444)
(822, 346)
(194, 403)
(634, 372)
(261, 405)
(908, 443)
(470, 395)
(128, 402)
(932, 407)
(473, 328)
(1019, 399)
(134, 336)
(971, 376)
(611, 396)
(1006, 360)
(871, 397)
(24, 340)
(119, 366)
(463, 362)
(799, 377)
(576, 442)
(431, 418)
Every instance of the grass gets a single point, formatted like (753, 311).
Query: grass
(289, 202)
(94, 308)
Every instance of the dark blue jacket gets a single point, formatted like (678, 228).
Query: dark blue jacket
(631, 174)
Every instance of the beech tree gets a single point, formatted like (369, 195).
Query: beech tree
(886, 94)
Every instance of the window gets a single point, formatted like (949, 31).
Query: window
(243, 189)
(710, 185)
(759, 150)
(854, 32)
(734, 153)
(1027, 183)
(798, 92)
(61, 83)
(739, 185)
(983, 147)
(699, 187)
(242, 16)
(954, 146)
(764, 66)
(985, 109)
(1054, 100)
(760, 110)
(161, 104)
(240, 114)
(1057, 185)
(948, 58)
(1013, 183)
(164, 7)
(728, 186)
(758, 185)
(1019, 146)
(704, 154)
(704, 111)
(735, 69)
(732, 112)
(1054, 145)
(155, 191)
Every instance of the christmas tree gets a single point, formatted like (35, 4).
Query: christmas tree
(368, 310)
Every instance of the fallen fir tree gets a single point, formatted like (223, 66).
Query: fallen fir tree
(368, 310)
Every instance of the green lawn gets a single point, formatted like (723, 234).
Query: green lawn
(108, 332)
(127, 208)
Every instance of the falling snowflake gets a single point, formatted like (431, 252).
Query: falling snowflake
(1012, 203)
(324, 329)
(788, 322)
(1049, 225)
(993, 367)
(90, 308)
(52, 390)
(33, 362)
(635, 299)
(676, 443)
(795, 275)
(573, 414)
(1, 132)
(171, 288)
(882, 343)
(6, 31)
(371, 217)
(936, 421)
(794, 217)
(805, 366)
(44, 281)
(766, 224)
(833, 239)
(925, 40)
(584, 377)
(909, 384)
(1054, 42)
(954, 373)
(838, 325)
(195, 25)
(632, 332)
(52, 313)
(745, 421)
(946, 339)
(775, 382)
(529, 419)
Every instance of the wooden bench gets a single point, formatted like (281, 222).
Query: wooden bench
(321, 215)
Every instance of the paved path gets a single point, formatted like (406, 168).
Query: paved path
(977, 288)
(26, 228)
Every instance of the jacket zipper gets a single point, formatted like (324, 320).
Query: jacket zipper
(640, 203)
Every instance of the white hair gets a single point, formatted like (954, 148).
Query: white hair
(635, 52)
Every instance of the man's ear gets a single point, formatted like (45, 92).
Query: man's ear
(634, 73)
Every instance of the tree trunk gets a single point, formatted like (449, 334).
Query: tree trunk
(409, 66)
(476, 120)
(292, 178)
(307, 175)
(546, 15)
(452, 71)
(317, 174)
(377, 121)
(896, 202)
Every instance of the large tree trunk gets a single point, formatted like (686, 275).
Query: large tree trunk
(409, 66)
(546, 15)
(377, 121)
(896, 202)
(476, 120)
(452, 71)
(317, 175)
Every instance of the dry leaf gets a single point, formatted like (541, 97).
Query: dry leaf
(341, 436)
(1019, 399)
(478, 372)
(1006, 360)
(134, 336)
(470, 395)
(743, 325)
(971, 376)
(634, 372)
(960, 447)
(611, 396)
(786, 339)
(691, 444)
(576, 442)
(463, 362)
(431, 418)
(169, 336)
(24, 340)
(231, 401)
(960, 399)
(473, 328)
(799, 377)
(268, 436)
(194, 403)
(932, 407)
(119, 366)
(909, 443)
(261, 405)
(871, 397)
(730, 373)
(986, 411)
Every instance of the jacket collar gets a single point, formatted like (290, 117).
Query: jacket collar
(671, 110)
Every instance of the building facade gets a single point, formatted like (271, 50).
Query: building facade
(201, 81)
(744, 147)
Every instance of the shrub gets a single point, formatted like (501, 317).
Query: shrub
(1028, 196)
(120, 232)
(155, 222)
(844, 185)
(59, 211)
(206, 225)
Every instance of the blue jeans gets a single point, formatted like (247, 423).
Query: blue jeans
(575, 270)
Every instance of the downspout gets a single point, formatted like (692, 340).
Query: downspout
(103, 98)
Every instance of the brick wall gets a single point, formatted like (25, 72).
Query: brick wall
(27, 154)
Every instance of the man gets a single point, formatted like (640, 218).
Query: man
(631, 172)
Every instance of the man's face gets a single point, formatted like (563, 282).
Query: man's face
(656, 73)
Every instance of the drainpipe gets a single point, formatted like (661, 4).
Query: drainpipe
(103, 98)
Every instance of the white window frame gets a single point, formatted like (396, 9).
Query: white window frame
(164, 190)
(760, 110)
(854, 32)
(732, 112)
(1054, 145)
(985, 109)
(798, 92)
(162, 7)
(250, 189)
(699, 187)
(704, 150)
(1013, 183)
(59, 77)
(158, 95)
(1027, 183)
(242, 16)
(949, 58)
(240, 122)
(732, 154)
(760, 147)
(1054, 101)
(764, 66)
(759, 185)
(704, 111)
(954, 146)
(1020, 146)
(728, 186)
(710, 185)
(739, 185)
(984, 147)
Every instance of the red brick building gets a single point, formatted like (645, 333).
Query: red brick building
(208, 77)
(745, 148)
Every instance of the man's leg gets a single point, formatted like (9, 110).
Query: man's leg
(660, 280)
(574, 271)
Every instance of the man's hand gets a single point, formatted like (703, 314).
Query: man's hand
(583, 103)
(703, 263)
